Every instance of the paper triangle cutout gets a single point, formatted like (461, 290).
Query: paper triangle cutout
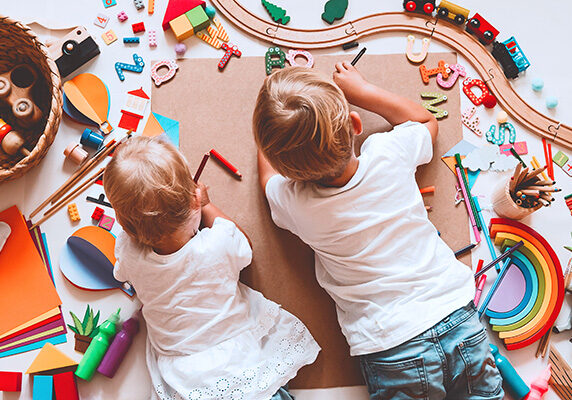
(158, 124)
(50, 358)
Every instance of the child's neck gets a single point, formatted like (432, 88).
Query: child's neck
(345, 177)
(174, 242)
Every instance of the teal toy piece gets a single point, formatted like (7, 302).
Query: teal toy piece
(274, 58)
(334, 9)
(137, 67)
(551, 102)
(513, 383)
(492, 137)
(98, 347)
(537, 84)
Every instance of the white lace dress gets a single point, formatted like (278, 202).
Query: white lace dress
(209, 336)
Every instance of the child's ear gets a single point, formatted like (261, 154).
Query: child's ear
(356, 122)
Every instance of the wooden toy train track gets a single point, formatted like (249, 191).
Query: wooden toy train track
(479, 57)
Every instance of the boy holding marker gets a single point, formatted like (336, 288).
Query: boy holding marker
(404, 302)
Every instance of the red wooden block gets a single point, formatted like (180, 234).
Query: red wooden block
(106, 222)
(138, 27)
(10, 381)
(65, 386)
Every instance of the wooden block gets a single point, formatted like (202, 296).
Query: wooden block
(109, 37)
(567, 168)
(43, 387)
(106, 222)
(151, 7)
(101, 20)
(10, 381)
(198, 18)
(181, 27)
(560, 159)
(65, 386)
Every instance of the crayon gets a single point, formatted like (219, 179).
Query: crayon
(225, 162)
(356, 59)
(201, 167)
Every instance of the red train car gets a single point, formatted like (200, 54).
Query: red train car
(480, 27)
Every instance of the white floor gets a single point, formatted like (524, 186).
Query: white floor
(542, 29)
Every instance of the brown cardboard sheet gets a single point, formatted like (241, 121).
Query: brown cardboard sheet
(215, 111)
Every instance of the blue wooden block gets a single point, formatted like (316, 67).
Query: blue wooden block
(109, 3)
(130, 40)
(137, 67)
(43, 387)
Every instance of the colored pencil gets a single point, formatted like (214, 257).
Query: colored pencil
(468, 205)
(499, 258)
(358, 56)
(517, 156)
(465, 249)
(487, 236)
(536, 165)
(514, 177)
(201, 167)
(225, 162)
(551, 168)
(479, 290)
(494, 287)
(467, 188)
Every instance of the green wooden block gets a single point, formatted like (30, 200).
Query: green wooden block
(198, 18)
(278, 14)
(560, 159)
(334, 9)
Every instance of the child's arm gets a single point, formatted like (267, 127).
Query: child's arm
(394, 108)
(265, 171)
(209, 212)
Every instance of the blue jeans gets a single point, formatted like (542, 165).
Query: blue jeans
(282, 394)
(452, 360)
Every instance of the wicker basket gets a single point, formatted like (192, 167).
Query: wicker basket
(19, 45)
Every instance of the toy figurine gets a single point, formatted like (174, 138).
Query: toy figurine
(12, 142)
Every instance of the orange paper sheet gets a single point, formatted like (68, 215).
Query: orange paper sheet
(26, 288)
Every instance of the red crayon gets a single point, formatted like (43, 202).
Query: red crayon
(225, 162)
(201, 167)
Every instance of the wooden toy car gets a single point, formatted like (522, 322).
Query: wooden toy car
(478, 26)
(16, 91)
(452, 12)
(419, 6)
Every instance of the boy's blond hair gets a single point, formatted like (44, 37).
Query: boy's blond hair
(302, 126)
(149, 184)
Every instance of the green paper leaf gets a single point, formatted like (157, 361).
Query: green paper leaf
(96, 319)
(94, 333)
(77, 324)
(73, 329)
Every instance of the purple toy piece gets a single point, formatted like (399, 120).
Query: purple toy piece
(119, 347)
(510, 291)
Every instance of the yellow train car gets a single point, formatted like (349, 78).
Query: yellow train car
(452, 12)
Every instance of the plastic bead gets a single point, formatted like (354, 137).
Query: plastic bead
(551, 102)
(537, 84)
(502, 117)
(180, 49)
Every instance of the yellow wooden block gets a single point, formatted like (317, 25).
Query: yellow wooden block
(181, 27)
(109, 37)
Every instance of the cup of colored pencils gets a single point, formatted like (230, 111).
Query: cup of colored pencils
(525, 192)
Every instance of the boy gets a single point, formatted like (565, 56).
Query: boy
(403, 300)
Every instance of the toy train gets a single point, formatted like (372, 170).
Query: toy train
(507, 53)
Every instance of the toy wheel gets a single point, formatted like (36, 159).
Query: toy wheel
(428, 8)
(488, 35)
(443, 12)
(410, 6)
(475, 23)
(23, 108)
(459, 19)
(5, 87)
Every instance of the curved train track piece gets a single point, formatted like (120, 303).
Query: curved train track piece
(479, 57)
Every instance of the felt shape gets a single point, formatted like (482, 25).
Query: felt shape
(90, 97)
(38, 332)
(161, 125)
(4, 233)
(49, 359)
(481, 158)
(334, 9)
(503, 163)
(27, 290)
(87, 260)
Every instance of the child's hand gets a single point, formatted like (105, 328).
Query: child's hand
(204, 194)
(347, 77)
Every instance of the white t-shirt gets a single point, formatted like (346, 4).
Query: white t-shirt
(376, 252)
(209, 336)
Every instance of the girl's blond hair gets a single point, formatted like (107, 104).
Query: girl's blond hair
(302, 126)
(149, 185)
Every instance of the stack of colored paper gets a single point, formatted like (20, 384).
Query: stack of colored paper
(30, 313)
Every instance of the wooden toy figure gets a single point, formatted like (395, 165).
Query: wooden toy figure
(11, 141)
(16, 91)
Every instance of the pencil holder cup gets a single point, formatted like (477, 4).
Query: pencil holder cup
(504, 205)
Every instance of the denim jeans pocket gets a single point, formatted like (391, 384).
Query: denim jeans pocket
(483, 376)
(401, 379)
